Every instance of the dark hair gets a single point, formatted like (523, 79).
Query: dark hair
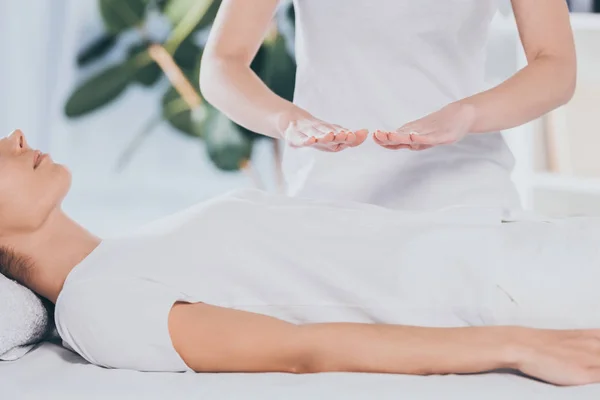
(14, 266)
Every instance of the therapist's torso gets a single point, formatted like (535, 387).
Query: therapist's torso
(379, 64)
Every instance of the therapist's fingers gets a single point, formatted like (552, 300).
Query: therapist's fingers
(392, 140)
(331, 147)
(379, 142)
(350, 138)
(421, 147)
(421, 137)
(381, 137)
(398, 147)
(329, 143)
(343, 136)
(399, 137)
(411, 132)
(429, 139)
(391, 146)
(359, 137)
(335, 132)
(340, 137)
(326, 137)
(298, 139)
(322, 134)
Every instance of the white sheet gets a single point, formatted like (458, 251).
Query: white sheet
(51, 372)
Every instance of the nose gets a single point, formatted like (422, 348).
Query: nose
(18, 139)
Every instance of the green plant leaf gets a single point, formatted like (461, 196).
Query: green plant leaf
(280, 70)
(227, 147)
(148, 74)
(97, 49)
(209, 17)
(176, 10)
(120, 15)
(177, 113)
(188, 54)
(162, 4)
(259, 62)
(99, 90)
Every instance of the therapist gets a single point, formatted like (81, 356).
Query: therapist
(389, 105)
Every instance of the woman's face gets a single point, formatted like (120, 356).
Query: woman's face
(32, 186)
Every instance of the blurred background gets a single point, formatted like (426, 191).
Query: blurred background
(110, 88)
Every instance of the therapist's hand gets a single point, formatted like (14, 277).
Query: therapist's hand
(446, 126)
(304, 130)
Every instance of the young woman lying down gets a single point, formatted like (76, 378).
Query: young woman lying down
(258, 283)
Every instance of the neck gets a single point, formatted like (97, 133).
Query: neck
(54, 250)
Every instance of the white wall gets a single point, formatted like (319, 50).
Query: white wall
(26, 75)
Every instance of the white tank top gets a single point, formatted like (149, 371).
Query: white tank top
(379, 64)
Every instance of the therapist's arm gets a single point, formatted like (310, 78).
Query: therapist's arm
(547, 82)
(215, 339)
(229, 84)
(549, 79)
(226, 79)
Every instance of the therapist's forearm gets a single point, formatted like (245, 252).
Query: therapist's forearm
(545, 84)
(233, 88)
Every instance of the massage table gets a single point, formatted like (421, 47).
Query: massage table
(52, 372)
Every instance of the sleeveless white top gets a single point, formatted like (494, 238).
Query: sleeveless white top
(379, 64)
(308, 261)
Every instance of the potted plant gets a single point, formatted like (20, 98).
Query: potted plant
(178, 57)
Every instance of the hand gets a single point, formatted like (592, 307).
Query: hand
(564, 358)
(304, 130)
(446, 126)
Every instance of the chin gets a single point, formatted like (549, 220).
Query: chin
(63, 179)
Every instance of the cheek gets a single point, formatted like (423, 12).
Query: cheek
(27, 198)
(21, 210)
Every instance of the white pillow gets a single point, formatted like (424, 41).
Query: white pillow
(24, 319)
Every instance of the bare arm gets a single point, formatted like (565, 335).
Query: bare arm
(215, 339)
(229, 84)
(226, 79)
(546, 83)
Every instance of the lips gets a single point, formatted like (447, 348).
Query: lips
(37, 159)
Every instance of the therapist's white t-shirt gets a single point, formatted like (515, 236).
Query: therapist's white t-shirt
(307, 261)
(379, 64)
